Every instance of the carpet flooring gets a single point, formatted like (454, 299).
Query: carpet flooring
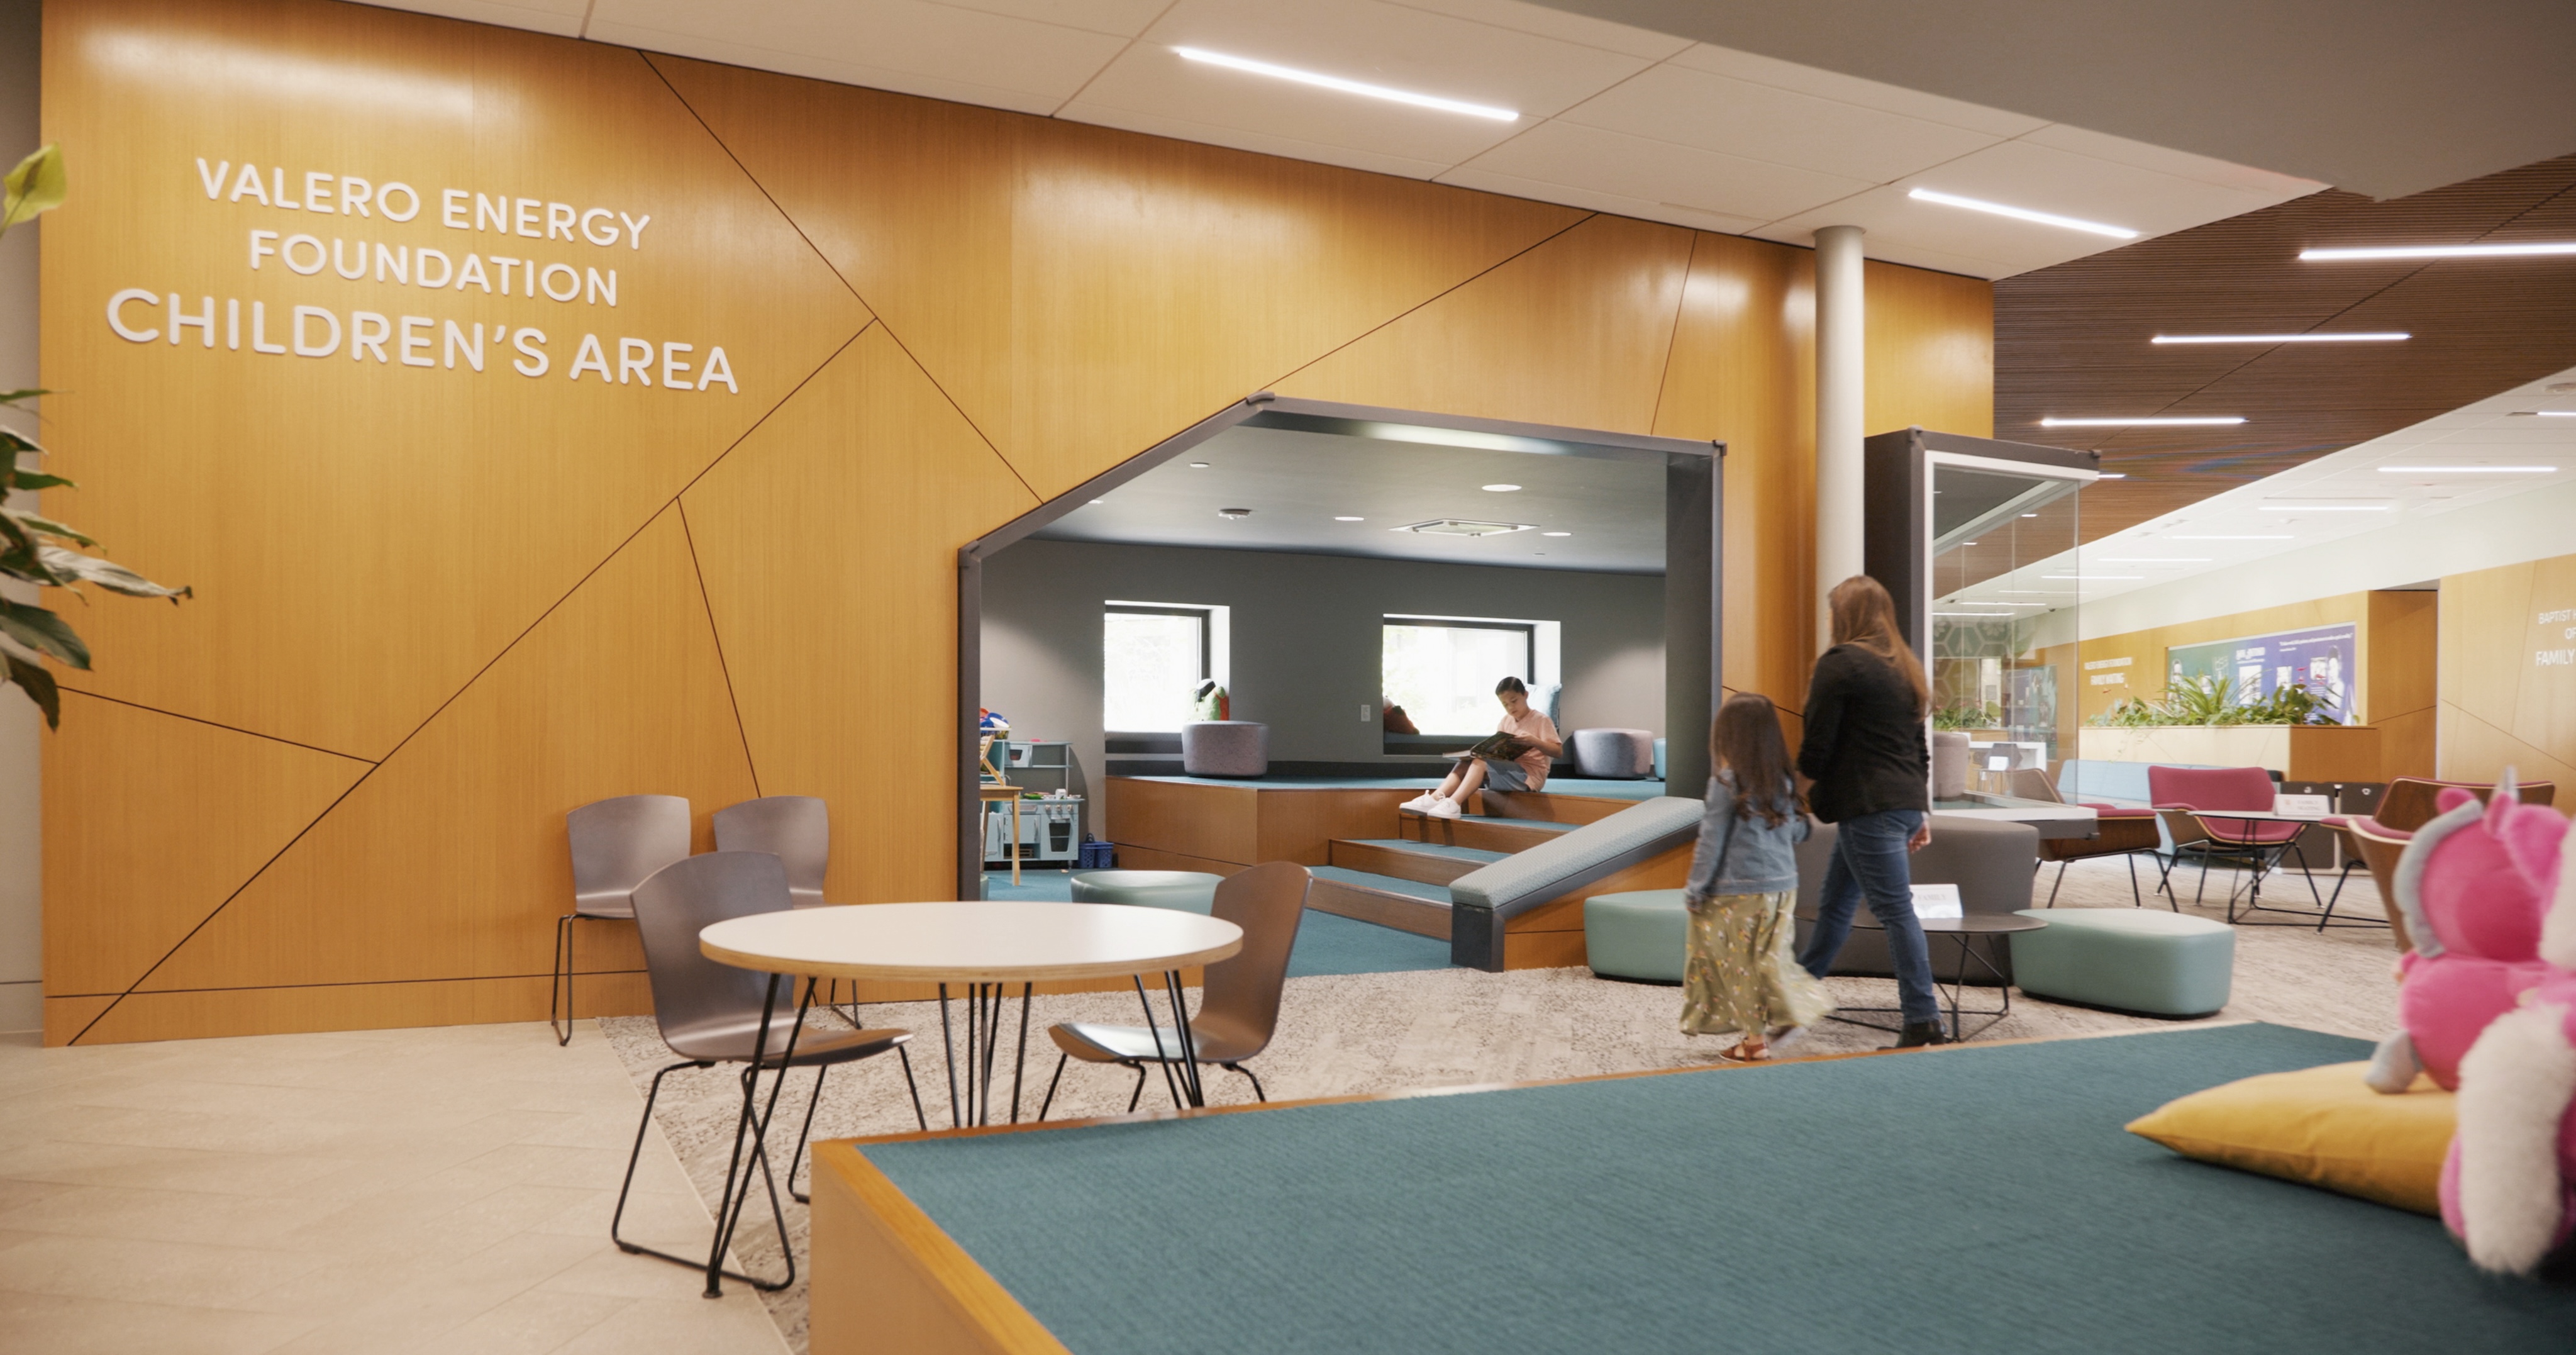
(1358, 1033)
(1976, 1199)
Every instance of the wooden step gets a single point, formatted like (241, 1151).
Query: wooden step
(1381, 857)
(1538, 804)
(1385, 907)
(1493, 835)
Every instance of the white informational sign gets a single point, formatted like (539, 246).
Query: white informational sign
(2303, 806)
(1936, 901)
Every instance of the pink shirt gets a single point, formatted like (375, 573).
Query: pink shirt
(1532, 727)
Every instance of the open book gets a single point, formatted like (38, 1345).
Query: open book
(1504, 747)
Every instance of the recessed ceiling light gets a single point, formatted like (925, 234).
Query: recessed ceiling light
(2232, 538)
(1334, 82)
(2155, 559)
(2522, 251)
(2089, 578)
(1198, 465)
(2467, 470)
(1350, 519)
(1556, 533)
(2324, 507)
(2390, 336)
(2196, 421)
(2023, 214)
(1499, 489)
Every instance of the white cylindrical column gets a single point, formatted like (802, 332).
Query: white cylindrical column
(1839, 412)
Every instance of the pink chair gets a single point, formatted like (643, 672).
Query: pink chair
(2194, 801)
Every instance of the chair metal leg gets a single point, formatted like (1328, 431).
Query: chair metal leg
(644, 1126)
(1050, 1096)
(1139, 1094)
(2136, 899)
(2059, 882)
(1256, 1081)
(561, 973)
(804, 1136)
(909, 1085)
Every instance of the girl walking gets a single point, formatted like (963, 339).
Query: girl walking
(1742, 976)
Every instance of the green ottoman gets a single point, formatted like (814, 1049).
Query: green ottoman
(1643, 934)
(1188, 891)
(2127, 959)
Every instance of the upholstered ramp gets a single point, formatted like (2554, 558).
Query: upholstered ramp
(1484, 901)
(1406, 905)
(1461, 1223)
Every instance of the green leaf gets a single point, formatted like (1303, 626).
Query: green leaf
(107, 574)
(13, 397)
(51, 528)
(36, 185)
(28, 479)
(42, 631)
(18, 553)
(39, 686)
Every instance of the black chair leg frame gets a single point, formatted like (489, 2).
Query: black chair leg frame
(562, 973)
(759, 1152)
(2136, 900)
(805, 1135)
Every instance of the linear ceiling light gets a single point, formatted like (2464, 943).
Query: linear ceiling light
(2023, 214)
(1996, 616)
(2155, 559)
(2549, 413)
(2210, 421)
(2391, 336)
(1236, 63)
(2468, 470)
(2089, 578)
(2283, 537)
(2443, 251)
(2324, 507)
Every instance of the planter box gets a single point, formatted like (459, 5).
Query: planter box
(2298, 752)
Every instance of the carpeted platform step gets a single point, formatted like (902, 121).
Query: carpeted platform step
(1388, 901)
(1480, 832)
(1428, 862)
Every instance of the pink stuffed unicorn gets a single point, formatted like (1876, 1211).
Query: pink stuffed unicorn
(2473, 886)
(2509, 1185)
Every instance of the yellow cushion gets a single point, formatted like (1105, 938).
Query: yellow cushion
(2319, 1126)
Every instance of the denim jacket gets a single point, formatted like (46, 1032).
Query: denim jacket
(1746, 855)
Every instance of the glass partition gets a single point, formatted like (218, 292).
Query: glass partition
(2004, 603)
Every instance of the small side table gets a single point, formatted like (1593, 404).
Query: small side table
(993, 792)
(1964, 931)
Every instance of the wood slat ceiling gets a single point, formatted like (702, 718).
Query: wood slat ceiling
(2073, 340)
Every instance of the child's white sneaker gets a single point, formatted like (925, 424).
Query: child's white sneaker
(1444, 809)
(1421, 804)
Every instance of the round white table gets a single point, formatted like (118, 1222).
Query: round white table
(985, 944)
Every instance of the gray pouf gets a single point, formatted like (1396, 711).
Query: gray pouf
(1225, 748)
(1641, 934)
(1187, 891)
(1615, 754)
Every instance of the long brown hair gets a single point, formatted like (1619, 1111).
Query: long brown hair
(1745, 739)
(1864, 615)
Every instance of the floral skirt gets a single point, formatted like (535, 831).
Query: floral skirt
(1743, 972)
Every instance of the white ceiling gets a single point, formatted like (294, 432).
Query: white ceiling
(2345, 494)
(1297, 484)
(1614, 118)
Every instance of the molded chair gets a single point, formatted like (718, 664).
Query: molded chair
(2120, 831)
(2198, 795)
(797, 829)
(1239, 1007)
(2379, 846)
(711, 1013)
(616, 845)
(2409, 802)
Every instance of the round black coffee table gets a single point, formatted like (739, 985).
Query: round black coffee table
(1964, 931)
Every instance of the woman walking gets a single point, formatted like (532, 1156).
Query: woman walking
(1865, 752)
(1741, 976)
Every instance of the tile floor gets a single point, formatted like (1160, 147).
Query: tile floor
(376, 1191)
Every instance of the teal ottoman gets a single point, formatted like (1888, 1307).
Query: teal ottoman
(1643, 934)
(2127, 959)
(1188, 891)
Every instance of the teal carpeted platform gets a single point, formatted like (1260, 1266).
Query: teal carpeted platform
(1326, 943)
(1435, 893)
(1405, 844)
(1979, 1200)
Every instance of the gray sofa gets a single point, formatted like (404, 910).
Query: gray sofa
(1990, 862)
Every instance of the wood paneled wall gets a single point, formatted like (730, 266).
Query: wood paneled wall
(436, 608)
(2508, 684)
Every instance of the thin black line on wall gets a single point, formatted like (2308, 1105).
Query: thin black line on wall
(218, 724)
(1436, 297)
(716, 633)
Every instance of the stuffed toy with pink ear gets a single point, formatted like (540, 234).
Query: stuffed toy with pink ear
(2509, 1185)
(2473, 887)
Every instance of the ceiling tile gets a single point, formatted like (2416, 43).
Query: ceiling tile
(1124, 18)
(908, 46)
(1558, 24)
(1764, 122)
(1470, 176)
(559, 17)
(2180, 164)
(1850, 89)
(1404, 48)
(1658, 171)
(1183, 129)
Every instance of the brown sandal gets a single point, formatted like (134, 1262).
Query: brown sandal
(1738, 1053)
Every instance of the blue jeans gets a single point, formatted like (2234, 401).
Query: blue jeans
(1869, 862)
